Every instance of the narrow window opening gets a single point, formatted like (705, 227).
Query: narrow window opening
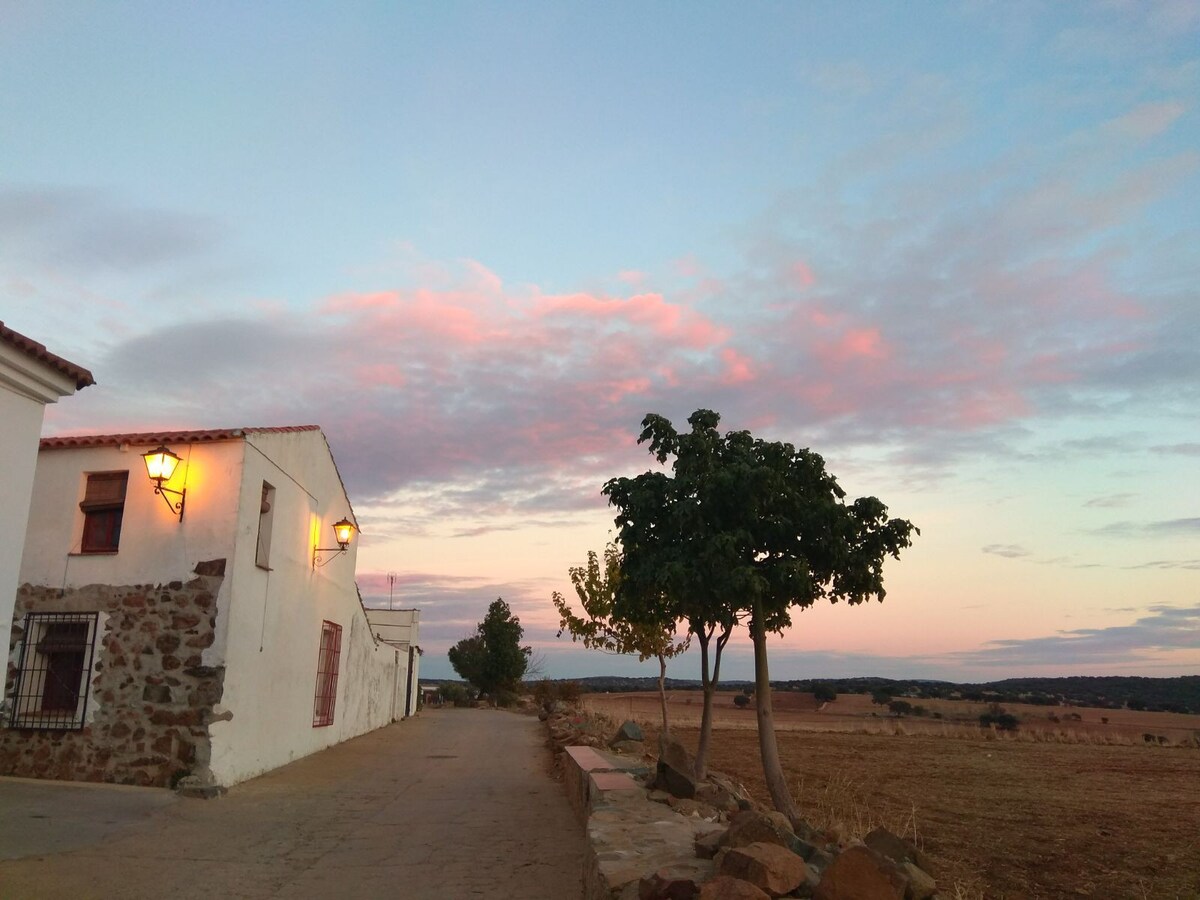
(266, 515)
(328, 658)
(103, 507)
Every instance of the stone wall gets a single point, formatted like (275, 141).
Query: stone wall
(152, 698)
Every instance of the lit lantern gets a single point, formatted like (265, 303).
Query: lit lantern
(160, 466)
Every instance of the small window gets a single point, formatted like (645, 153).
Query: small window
(266, 512)
(328, 658)
(103, 507)
(56, 657)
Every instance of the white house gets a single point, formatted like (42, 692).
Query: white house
(195, 635)
(30, 377)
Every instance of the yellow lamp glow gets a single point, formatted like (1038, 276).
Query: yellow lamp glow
(160, 464)
(344, 531)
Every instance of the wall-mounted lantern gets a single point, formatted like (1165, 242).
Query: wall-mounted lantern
(343, 533)
(160, 466)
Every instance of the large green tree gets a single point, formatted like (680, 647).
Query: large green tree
(598, 629)
(745, 529)
(493, 659)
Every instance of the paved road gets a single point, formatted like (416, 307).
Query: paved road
(449, 804)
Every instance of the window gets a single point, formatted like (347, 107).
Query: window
(327, 674)
(52, 675)
(103, 505)
(262, 557)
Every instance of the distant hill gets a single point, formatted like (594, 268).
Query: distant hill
(1181, 695)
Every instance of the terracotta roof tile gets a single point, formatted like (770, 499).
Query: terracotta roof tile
(32, 348)
(165, 437)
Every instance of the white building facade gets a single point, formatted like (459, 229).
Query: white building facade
(30, 378)
(401, 630)
(210, 634)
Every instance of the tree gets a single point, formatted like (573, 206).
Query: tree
(746, 529)
(493, 659)
(900, 707)
(598, 629)
(672, 567)
(824, 693)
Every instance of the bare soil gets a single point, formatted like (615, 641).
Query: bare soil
(1057, 810)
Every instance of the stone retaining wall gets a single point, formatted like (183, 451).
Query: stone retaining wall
(151, 697)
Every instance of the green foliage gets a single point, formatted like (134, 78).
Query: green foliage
(743, 529)
(599, 628)
(493, 659)
(900, 707)
(741, 701)
(824, 693)
(997, 716)
(882, 696)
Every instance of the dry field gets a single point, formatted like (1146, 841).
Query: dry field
(1072, 809)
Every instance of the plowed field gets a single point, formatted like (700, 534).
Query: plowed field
(1071, 809)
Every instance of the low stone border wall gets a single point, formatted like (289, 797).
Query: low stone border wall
(628, 835)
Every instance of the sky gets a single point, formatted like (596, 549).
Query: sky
(952, 247)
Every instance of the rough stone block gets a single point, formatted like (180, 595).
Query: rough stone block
(859, 873)
(769, 867)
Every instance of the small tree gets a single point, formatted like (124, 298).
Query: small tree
(493, 659)
(599, 629)
(900, 707)
(741, 701)
(824, 693)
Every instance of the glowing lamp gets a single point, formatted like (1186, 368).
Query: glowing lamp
(160, 466)
(343, 533)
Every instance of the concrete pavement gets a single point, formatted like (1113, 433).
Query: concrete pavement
(453, 803)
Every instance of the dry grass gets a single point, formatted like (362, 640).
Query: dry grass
(1042, 813)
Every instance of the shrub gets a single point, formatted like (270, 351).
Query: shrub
(900, 707)
(824, 693)
(741, 701)
(996, 716)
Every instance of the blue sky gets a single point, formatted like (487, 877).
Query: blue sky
(952, 247)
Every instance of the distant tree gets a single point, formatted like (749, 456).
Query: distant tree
(882, 696)
(900, 707)
(1136, 703)
(824, 693)
(493, 659)
(745, 528)
(741, 701)
(599, 629)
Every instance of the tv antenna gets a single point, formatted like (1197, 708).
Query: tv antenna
(391, 577)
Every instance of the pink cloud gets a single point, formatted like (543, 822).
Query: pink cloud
(738, 369)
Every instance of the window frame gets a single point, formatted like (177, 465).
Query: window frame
(40, 671)
(329, 654)
(103, 513)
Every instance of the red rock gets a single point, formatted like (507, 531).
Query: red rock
(768, 867)
(859, 873)
(726, 887)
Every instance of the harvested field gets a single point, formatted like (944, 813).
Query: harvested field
(1063, 814)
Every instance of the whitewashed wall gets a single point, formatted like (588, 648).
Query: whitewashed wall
(26, 387)
(274, 629)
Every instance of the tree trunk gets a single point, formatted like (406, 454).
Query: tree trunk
(662, 691)
(781, 797)
(706, 683)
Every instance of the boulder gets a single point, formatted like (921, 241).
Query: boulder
(718, 796)
(676, 770)
(679, 881)
(708, 843)
(749, 827)
(897, 849)
(629, 731)
(769, 867)
(859, 873)
(693, 808)
(726, 887)
(920, 883)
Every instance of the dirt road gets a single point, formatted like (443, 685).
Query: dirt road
(449, 804)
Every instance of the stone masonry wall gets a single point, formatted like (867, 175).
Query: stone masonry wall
(151, 698)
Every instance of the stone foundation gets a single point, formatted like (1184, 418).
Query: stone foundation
(151, 697)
